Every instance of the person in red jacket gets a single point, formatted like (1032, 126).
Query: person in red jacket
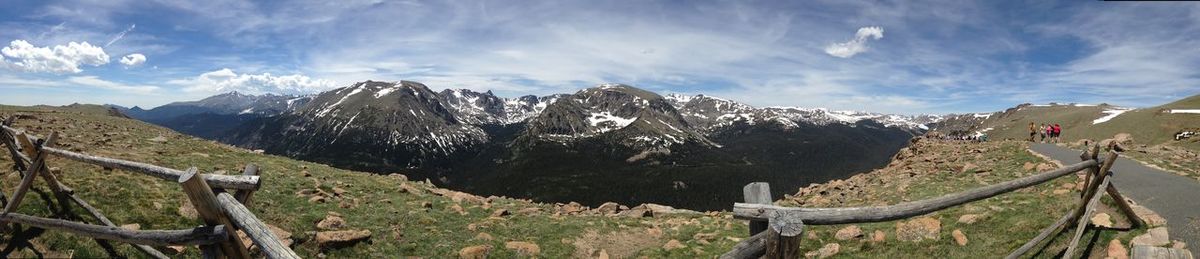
(1057, 132)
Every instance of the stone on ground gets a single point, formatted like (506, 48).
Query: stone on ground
(1103, 220)
(341, 238)
(331, 222)
(475, 252)
(522, 248)
(879, 236)
(484, 236)
(968, 218)
(959, 237)
(918, 229)
(608, 208)
(1155, 237)
(828, 250)
(673, 244)
(847, 233)
(1116, 250)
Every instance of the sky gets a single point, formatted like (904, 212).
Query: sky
(905, 57)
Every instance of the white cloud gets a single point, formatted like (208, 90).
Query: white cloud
(93, 81)
(225, 80)
(120, 35)
(60, 59)
(856, 45)
(133, 59)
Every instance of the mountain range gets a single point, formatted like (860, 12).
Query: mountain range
(611, 142)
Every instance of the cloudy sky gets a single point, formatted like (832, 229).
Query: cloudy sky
(899, 57)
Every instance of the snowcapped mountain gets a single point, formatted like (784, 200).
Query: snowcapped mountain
(632, 116)
(485, 108)
(711, 113)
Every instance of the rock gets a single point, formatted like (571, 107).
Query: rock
(608, 208)
(331, 222)
(635, 212)
(879, 236)
(339, 191)
(1178, 244)
(1042, 167)
(317, 199)
(1068, 186)
(426, 204)
(968, 218)
(1116, 250)
(1155, 237)
(134, 226)
(654, 232)
(1028, 166)
(1102, 219)
(475, 252)
(484, 236)
(673, 244)
(525, 249)
(603, 254)
(968, 167)
(658, 210)
(1060, 191)
(341, 238)
(847, 233)
(959, 237)
(529, 211)
(458, 209)
(918, 229)
(500, 213)
(1152, 219)
(571, 208)
(828, 250)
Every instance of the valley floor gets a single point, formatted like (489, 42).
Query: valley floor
(407, 218)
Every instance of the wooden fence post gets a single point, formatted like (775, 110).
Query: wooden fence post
(757, 193)
(31, 173)
(267, 241)
(210, 211)
(783, 237)
(243, 196)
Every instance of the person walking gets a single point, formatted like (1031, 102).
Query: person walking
(1057, 133)
(1042, 133)
(1032, 131)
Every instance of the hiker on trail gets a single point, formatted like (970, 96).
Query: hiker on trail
(1042, 133)
(1057, 132)
(1032, 131)
(1049, 133)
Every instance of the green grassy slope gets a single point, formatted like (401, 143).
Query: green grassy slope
(1150, 126)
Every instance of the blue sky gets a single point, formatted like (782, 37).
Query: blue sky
(885, 56)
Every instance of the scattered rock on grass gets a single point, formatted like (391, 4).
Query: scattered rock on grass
(1116, 251)
(331, 222)
(673, 244)
(918, 229)
(526, 249)
(341, 238)
(1155, 237)
(959, 237)
(847, 233)
(968, 218)
(828, 250)
(879, 236)
(1102, 219)
(475, 252)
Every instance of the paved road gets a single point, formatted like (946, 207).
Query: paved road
(1173, 197)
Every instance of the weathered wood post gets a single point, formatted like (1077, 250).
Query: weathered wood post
(258, 232)
(757, 193)
(210, 211)
(31, 173)
(243, 196)
(783, 237)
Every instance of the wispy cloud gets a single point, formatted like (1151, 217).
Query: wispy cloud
(134, 59)
(225, 80)
(856, 45)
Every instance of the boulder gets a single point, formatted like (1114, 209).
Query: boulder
(918, 229)
(1028, 166)
(1116, 251)
(1102, 219)
(828, 250)
(959, 237)
(525, 249)
(484, 236)
(968, 218)
(1042, 167)
(847, 233)
(570, 208)
(635, 212)
(331, 222)
(1155, 237)
(475, 252)
(134, 226)
(500, 213)
(673, 244)
(341, 238)
(608, 208)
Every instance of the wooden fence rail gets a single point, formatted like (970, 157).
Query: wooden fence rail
(222, 213)
(777, 241)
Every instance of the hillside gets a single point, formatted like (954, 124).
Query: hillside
(419, 219)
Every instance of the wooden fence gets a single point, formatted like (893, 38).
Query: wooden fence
(223, 214)
(775, 231)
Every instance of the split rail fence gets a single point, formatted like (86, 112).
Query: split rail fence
(221, 212)
(775, 231)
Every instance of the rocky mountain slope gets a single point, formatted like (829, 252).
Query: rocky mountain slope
(212, 117)
(561, 147)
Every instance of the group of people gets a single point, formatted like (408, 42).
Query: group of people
(1050, 133)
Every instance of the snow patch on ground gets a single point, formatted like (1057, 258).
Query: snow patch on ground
(596, 119)
(1111, 114)
(1184, 111)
